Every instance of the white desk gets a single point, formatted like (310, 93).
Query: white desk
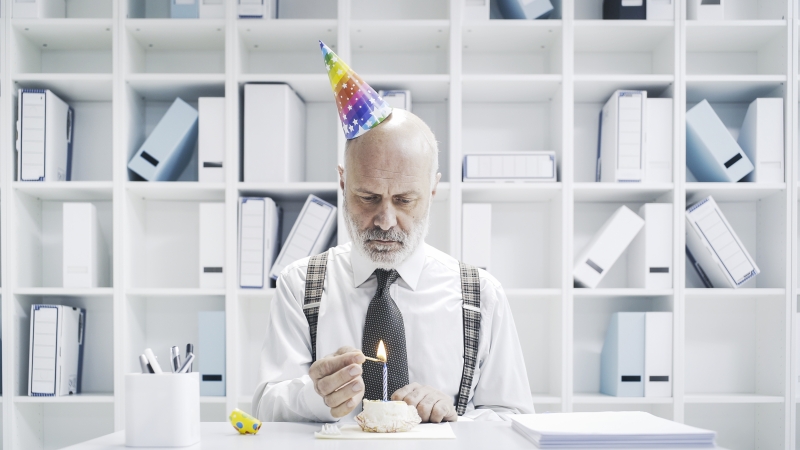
(300, 436)
(296, 436)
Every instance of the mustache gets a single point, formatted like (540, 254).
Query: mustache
(392, 234)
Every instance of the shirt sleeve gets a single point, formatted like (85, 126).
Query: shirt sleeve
(286, 392)
(503, 384)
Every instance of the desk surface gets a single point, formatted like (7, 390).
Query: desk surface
(222, 436)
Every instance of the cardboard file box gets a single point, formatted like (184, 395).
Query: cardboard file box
(162, 410)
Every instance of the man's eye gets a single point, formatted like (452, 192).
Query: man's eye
(404, 201)
(368, 199)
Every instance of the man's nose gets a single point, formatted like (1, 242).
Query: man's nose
(387, 217)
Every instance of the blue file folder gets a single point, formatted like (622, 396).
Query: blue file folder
(712, 154)
(622, 359)
(211, 352)
(184, 9)
(521, 9)
(168, 149)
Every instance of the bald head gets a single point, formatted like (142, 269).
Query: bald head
(390, 183)
(400, 133)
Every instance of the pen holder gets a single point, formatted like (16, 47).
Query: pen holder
(162, 410)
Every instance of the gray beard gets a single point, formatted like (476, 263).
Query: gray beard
(381, 255)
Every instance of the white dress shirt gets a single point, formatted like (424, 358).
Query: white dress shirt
(428, 294)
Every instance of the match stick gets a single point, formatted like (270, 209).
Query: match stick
(374, 359)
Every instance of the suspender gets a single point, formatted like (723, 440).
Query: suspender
(471, 314)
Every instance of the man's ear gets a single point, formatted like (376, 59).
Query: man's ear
(436, 184)
(341, 176)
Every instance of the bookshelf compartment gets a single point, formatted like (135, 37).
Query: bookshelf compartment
(604, 47)
(753, 10)
(732, 49)
(57, 46)
(375, 10)
(512, 47)
(735, 345)
(590, 323)
(45, 426)
(284, 46)
(40, 239)
(740, 426)
(175, 46)
(396, 47)
(538, 322)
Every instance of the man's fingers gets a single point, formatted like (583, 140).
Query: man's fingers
(415, 397)
(438, 411)
(346, 349)
(341, 396)
(426, 404)
(401, 393)
(326, 366)
(348, 406)
(329, 384)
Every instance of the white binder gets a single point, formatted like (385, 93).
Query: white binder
(658, 354)
(607, 245)
(658, 141)
(761, 139)
(44, 136)
(85, 259)
(622, 136)
(55, 354)
(212, 9)
(212, 245)
(397, 98)
(476, 10)
(274, 134)
(718, 256)
(660, 9)
(705, 9)
(39, 9)
(513, 166)
(210, 139)
(211, 352)
(711, 152)
(310, 235)
(622, 358)
(259, 240)
(650, 255)
(257, 9)
(476, 234)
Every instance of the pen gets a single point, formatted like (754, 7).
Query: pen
(145, 365)
(186, 364)
(175, 359)
(151, 358)
(189, 350)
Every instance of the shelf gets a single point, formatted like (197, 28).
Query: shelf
(597, 398)
(622, 35)
(67, 190)
(265, 294)
(165, 87)
(176, 190)
(731, 88)
(738, 293)
(509, 192)
(510, 36)
(425, 87)
(732, 192)
(732, 398)
(598, 88)
(65, 292)
(75, 399)
(69, 86)
(390, 36)
(312, 87)
(620, 192)
(212, 400)
(510, 88)
(287, 191)
(731, 36)
(622, 292)
(61, 34)
(538, 292)
(174, 292)
(167, 34)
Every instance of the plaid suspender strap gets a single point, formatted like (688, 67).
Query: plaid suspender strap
(471, 308)
(315, 280)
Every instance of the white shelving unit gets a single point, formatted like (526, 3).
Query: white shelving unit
(481, 86)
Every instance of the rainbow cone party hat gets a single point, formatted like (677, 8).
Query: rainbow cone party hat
(360, 107)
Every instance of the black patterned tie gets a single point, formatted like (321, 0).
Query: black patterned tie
(384, 322)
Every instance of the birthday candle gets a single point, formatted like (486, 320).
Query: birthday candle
(384, 383)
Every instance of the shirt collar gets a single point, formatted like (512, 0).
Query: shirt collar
(409, 270)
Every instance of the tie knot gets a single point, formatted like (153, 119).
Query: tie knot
(386, 277)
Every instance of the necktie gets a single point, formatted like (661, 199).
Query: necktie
(384, 322)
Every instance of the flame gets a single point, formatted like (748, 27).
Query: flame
(381, 352)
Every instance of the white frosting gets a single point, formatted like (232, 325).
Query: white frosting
(387, 417)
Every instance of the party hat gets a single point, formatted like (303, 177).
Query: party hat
(360, 107)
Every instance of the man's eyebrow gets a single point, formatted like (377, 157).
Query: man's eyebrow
(364, 191)
(407, 194)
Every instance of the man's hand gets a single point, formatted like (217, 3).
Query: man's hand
(432, 405)
(337, 379)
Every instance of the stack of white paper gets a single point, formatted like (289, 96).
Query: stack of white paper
(613, 429)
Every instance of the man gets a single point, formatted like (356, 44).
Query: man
(388, 285)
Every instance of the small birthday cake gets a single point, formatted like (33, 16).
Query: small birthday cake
(387, 417)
